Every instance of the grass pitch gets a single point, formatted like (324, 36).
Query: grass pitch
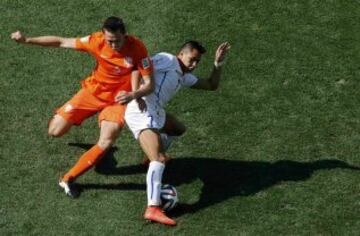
(273, 152)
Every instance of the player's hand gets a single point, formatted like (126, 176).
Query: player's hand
(142, 104)
(18, 37)
(221, 52)
(124, 97)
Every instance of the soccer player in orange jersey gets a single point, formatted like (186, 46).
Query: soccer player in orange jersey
(117, 55)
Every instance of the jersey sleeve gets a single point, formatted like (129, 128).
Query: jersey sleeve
(86, 44)
(143, 62)
(189, 80)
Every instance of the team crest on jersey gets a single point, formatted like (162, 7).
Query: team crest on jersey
(145, 63)
(128, 62)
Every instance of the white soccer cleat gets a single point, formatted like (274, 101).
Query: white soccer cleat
(69, 189)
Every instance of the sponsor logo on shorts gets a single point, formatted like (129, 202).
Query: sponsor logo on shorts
(68, 108)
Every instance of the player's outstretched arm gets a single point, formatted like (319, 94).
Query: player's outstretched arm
(47, 41)
(212, 83)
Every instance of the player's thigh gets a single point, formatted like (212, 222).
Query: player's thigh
(80, 107)
(173, 126)
(138, 121)
(114, 113)
(150, 143)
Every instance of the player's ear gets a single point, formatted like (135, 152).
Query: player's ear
(182, 52)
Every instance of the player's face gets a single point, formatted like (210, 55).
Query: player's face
(114, 40)
(190, 58)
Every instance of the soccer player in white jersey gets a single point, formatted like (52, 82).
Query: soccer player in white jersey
(153, 127)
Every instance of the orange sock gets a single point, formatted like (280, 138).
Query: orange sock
(86, 161)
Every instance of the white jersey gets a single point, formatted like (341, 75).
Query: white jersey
(169, 78)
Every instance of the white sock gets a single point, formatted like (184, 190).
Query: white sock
(153, 182)
(166, 141)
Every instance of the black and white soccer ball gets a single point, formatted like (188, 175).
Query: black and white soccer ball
(169, 197)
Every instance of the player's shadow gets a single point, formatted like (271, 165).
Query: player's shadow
(224, 179)
(108, 166)
(221, 179)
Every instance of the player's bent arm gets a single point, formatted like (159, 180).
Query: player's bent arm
(146, 88)
(135, 80)
(135, 84)
(137, 91)
(212, 83)
(46, 41)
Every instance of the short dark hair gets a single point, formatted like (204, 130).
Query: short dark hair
(114, 24)
(192, 44)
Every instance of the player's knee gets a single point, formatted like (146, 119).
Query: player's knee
(105, 143)
(108, 134)
(55, 132)
(58, 126)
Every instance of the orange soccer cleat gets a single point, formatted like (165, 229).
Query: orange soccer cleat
(154, 213)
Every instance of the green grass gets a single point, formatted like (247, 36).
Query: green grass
(270, 153)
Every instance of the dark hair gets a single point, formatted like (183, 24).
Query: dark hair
(191, 44)
(114, 24)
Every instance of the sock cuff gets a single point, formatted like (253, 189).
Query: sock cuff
(94, 154)
(96, 148)
(156, 164)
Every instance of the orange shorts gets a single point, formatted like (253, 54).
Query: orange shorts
(84, 105)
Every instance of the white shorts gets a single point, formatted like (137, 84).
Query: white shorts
(138, 121)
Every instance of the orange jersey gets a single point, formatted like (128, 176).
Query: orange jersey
(112, 72)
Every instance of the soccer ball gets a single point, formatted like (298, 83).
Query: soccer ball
(169, 197)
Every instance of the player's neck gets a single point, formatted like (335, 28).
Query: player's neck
(182, 66)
